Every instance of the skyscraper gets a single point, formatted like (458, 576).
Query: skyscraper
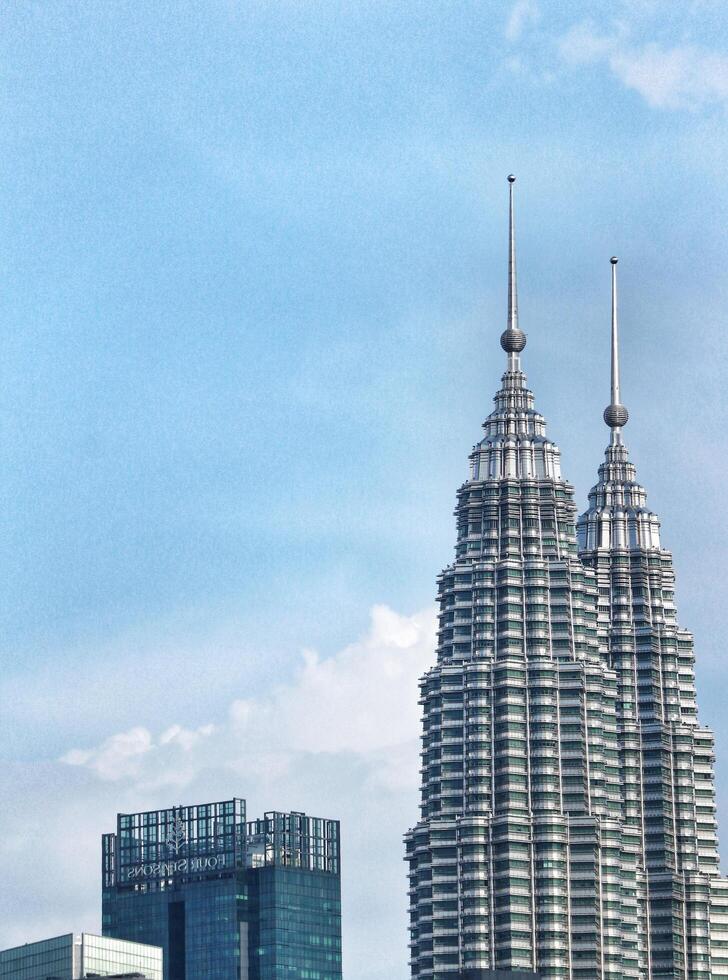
(556, 813)
(665, 755)
(224, 898)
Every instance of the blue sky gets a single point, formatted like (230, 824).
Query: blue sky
(253, 277)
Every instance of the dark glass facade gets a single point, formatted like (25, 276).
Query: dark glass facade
(227, 899)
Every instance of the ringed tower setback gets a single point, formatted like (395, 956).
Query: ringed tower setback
(522, 859)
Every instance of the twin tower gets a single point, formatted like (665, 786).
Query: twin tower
(567, 824)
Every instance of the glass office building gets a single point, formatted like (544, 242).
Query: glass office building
(225, 898)
(73, 956)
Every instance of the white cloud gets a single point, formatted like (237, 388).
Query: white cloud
(582, 45)
(678, 77)
(117, 757)
(675, 78)
(524, 13)
(185, 737)
(124, 755)
(362, 701)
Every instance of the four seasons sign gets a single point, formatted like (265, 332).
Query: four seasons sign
(175, 841)
(166, 869)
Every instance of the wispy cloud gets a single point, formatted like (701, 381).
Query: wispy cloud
(362, 701)
(524, 13)
(678, 77)
(123, 755)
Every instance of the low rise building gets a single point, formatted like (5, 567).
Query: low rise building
(76, 956)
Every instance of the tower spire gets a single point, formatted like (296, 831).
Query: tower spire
(615, 414)
(512, 287)
(513, 340)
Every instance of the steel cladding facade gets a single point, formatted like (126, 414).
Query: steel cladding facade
(567, 803)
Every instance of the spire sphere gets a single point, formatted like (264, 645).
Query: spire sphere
(513, 339)
(615, 414)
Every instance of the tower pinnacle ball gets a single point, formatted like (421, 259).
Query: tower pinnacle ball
(511, 179)
(513, 341)
(616, 416)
